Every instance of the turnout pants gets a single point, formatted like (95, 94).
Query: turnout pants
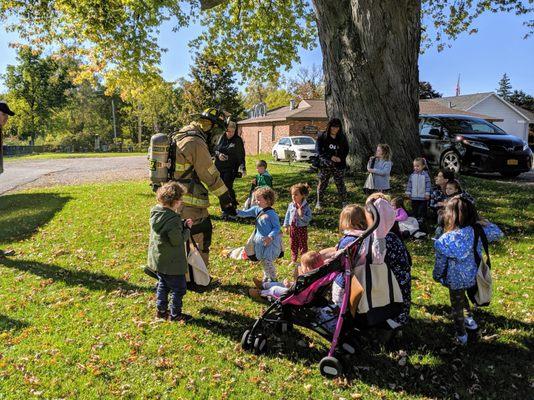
(202, 229)
(325, 173)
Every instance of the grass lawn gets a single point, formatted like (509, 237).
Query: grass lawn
(77, 314)
(47, 156)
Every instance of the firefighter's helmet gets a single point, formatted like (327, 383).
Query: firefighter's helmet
(217, 117)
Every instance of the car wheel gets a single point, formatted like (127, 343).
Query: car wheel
(510, 174)
(451, 161)
(275, 156)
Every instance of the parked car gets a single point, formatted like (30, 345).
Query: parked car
(294, 148)
(464, 143)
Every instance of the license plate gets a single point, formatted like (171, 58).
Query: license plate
(512, 162)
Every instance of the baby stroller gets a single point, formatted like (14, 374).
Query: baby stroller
(306, 305)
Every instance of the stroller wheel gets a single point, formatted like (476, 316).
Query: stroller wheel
(245, 340)
(259, 344)
(330, 367)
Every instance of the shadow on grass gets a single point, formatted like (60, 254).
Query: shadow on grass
(22, 213)
(8, 324)
(89, 280)
(487, 368)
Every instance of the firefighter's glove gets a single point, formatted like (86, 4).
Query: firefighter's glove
(226, 200)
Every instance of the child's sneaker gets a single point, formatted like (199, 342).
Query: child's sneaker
(181, 318)
(462, 340)
(255, 294)
(162, 314)
(470, 324)
(258, 283)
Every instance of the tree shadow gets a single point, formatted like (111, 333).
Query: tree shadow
(9, 324)
(235, 288)
(90, 280)
(22, 213)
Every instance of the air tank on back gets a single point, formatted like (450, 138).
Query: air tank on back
(158, 157)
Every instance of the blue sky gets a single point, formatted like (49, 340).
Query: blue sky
(481, 59)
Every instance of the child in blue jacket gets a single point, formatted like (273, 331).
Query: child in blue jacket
(455, 265)
(267, 239)
(418, 189)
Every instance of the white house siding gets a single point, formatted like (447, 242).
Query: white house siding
(513, 123)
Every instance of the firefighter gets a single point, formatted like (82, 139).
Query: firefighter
(194, 168)
(5, 112)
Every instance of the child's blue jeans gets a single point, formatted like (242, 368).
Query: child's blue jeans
(175, 285)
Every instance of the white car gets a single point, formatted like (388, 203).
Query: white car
(294, 148)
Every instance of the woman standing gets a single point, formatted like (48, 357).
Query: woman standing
(332, 149)
(230, 158)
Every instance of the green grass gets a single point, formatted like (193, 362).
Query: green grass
(47, 156)
(77, 314)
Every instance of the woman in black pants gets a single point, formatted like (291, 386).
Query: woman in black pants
(230, 158)
(332, 150)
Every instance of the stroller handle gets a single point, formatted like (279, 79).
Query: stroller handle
(376, 220)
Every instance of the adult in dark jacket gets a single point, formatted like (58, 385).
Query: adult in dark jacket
(332, 149)
(230, 158)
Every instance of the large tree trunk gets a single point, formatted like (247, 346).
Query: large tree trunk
(370, 51)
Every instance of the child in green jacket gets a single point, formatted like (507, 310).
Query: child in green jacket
(166, 251)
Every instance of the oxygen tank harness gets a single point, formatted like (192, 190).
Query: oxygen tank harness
(162, 159)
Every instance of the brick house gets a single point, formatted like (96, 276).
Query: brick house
(308, 118)
(261, 133)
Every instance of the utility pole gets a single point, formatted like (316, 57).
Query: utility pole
(114, 120)
(139, 125)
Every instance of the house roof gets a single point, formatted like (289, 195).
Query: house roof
(468, 101)
(316, 109)
(434, 106)
(306, 109)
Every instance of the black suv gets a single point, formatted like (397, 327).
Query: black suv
(464, 143)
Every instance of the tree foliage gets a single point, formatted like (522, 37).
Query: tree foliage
(211, 86)
(521, 99)
(426, 91)
(505, 87)
(256, 38)
(308, 84)
(38, 85)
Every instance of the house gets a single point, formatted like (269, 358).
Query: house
(260, 133)
(513, 119)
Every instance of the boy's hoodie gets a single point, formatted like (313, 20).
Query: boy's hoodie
(166, 249)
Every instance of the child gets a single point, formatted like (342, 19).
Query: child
(455, 266)
(408, 226)
(418, 189)
(298, 216)
(262, 179)
(309, 261)
(267, 238)
(379, 168)
(452, 188)
(166, 251)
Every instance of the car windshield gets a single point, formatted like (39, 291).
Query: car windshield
(465, 126)
(303, 140)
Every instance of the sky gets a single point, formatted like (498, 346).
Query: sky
(480, 59)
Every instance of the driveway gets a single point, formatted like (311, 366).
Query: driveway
(24, 174)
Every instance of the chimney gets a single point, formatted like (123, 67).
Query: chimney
(292, 104)
(450, 104)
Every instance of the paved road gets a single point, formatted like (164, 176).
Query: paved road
(23, 174)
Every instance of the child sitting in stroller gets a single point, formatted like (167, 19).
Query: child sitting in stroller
(309, 261)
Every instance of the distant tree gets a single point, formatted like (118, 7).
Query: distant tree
(427, 92)
(505, 88)
(39, 84)
(308, 84)
(212, 85)
(521, 99)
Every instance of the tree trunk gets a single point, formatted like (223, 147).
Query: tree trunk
(370, 52)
